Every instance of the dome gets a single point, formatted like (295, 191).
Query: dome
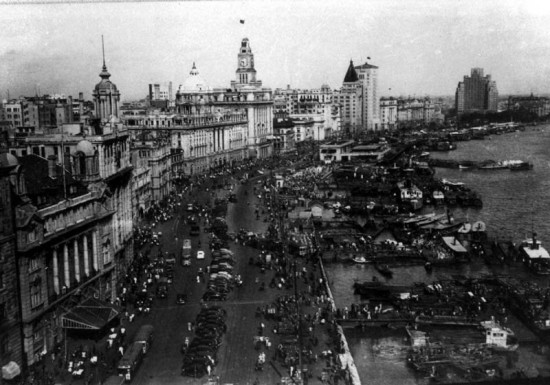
(194, 82)
(86, 147)
(105, 83)
(8, 160)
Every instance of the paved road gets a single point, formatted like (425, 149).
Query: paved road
(236, 356)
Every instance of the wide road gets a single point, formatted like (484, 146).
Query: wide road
(236, 355)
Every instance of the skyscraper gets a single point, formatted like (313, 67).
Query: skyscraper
(358, 98)
(476, 93)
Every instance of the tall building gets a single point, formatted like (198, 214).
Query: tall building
(358, 99)
(73, 219)
(476, 93)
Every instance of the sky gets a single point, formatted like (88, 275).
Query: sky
(421, 47)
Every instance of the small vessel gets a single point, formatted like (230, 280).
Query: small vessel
(463, 167)
(384, 270)
(519, 165)
(360, 259)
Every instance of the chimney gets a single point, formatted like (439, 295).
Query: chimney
(52, 165)
(80, 105)
(70, 103)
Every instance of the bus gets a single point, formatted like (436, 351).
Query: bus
(145, 337)
(130, 361)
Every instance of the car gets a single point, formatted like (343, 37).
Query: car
(181, 299)
(186, 260)
(200, 254)
(190, 207)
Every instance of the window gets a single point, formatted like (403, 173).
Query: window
(4, 343)
(34, 264)
(36, 292)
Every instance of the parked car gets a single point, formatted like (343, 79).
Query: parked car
(200, 254)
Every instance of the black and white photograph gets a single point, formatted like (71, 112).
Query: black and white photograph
(274, 192)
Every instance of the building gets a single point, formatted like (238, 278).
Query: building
(358, 99)
(73, 217)
(476, 93)
(370, 104)
(211, 127)
(315, 104)
(161, 96)
(537, 105)
(11, 350)
(388, 113)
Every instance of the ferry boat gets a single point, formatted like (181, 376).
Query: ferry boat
(535, 256)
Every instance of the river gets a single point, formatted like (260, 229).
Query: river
(515, 203)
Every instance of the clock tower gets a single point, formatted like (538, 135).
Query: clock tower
(246, 74)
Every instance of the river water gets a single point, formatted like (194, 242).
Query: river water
(515, 203)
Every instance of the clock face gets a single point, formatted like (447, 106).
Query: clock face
(243, 62)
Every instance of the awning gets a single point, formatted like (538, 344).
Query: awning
(91, 314)
(10, 370)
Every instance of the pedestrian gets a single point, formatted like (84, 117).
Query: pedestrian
(209, 370)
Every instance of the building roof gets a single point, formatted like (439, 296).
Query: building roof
(351, 74)
(365, 66)
(86, 147)
(8, 160)
(39, 183)
(105, 84)
(194, 82)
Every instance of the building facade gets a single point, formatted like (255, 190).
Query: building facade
(358, 99)
(476, 93)
(538, 105)
(11, 350)
(74, 224)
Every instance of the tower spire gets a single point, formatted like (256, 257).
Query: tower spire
(103, 50)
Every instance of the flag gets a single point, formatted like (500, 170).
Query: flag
(241, 21)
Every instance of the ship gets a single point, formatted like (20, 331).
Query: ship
(535, 256)
(519, 165)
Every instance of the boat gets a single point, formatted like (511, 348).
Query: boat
(535, 256)
(360, 259)
(429, 267)
(451, 183)
(492, 165)
(446, 320)
(462, 167)
(520, 165)
(384, 270)
(498, 337)
(381, 291)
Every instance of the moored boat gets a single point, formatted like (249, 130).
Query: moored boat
(535, 256)
(520, 165)
(384, 270)
(360, 259)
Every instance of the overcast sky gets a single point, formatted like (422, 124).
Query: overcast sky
(420, 47)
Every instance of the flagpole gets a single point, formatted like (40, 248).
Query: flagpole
(63, 161)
